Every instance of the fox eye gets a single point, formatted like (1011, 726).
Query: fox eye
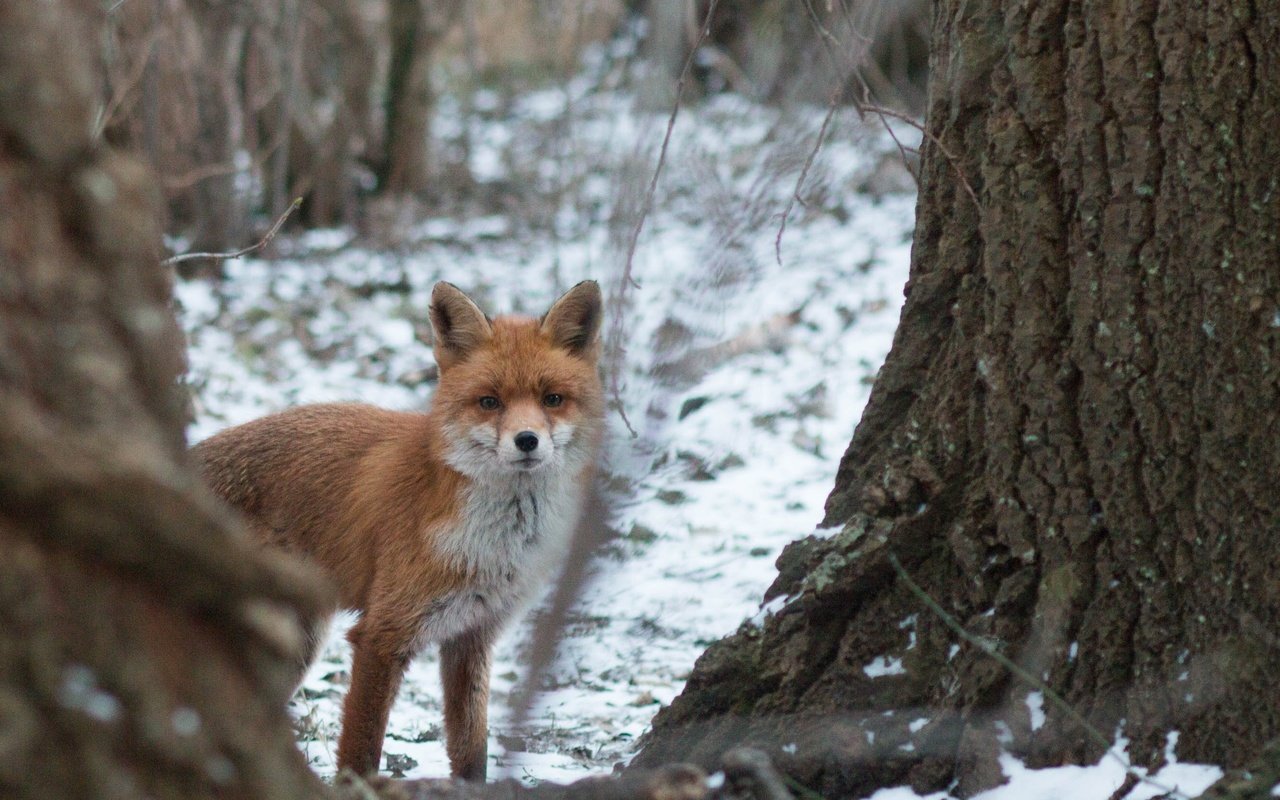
(552, 400)
(489, 402)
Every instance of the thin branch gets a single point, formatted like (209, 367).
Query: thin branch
(271, 234)
(615, 387)
(186, 180)
(116, 6)
(662, 153)
(829, 43)
(804, 173)
(951, 158)
(107, 112)
(851, 69)
(1029, 679)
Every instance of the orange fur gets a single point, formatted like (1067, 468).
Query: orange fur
(436, 526)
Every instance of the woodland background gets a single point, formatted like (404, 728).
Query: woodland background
(1050, 541)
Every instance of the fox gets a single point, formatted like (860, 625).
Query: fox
(434, 527)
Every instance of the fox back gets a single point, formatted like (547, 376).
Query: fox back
(435, 527)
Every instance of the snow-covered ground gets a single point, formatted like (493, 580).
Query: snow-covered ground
(743, 378)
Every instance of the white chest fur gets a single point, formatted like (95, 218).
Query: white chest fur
(511, 538)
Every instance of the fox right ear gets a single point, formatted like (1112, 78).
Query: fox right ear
(458, 324)
(574, 320)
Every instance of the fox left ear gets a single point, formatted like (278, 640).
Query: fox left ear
(573, 322)
(458, 325)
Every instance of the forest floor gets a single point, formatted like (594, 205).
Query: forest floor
(746, 367)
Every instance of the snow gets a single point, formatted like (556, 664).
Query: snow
(1101, 780)
(742, 376)
(1035, 705)
(882, 666)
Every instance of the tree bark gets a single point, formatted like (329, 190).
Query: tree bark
(1074, 442)
(144, 642)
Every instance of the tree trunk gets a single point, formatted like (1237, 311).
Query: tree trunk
(219, 209)
(1073, 445)
(327, 154)
(410, 100)
(144, 642)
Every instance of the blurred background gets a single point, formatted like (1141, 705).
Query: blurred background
(368, 109)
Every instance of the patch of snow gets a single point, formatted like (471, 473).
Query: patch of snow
(882, 666)
(1003, 735)
(770, 608)
(1093, 782)
(1035, 705)
(909, 624)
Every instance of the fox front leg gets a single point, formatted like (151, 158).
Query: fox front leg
(464, 671)
(381, 656)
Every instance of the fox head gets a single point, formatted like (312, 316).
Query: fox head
(518, 394)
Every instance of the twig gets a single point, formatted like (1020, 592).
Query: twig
(882, 112)
(271, 234)
(826, 37)
(864, 106)
(116, 6)
(118, 93)
(1029, 679)
(186, 180)
(804, 173)
(662, 153)
(615, 387)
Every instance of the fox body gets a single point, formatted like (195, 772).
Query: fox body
(434, 527)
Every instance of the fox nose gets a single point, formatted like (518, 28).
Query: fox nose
(526, 441)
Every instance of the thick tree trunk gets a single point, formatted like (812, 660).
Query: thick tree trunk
(143, 640)
(1074, 443)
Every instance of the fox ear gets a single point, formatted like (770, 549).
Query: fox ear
(574, 320)
(458, 324)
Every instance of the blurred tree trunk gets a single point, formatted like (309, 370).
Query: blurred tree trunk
(415, 28)
(288, 38)
(1073, 445)
(326, 156)
(218, 210)
(143, 640)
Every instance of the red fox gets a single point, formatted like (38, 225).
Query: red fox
(435, 527)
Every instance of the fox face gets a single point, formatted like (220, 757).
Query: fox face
(520, 396)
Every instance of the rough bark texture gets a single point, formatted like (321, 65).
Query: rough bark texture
(1074, 443)
(143, 640)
